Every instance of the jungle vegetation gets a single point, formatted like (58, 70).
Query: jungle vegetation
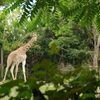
(68, 34)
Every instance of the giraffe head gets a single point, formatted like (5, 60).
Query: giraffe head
(35, 36)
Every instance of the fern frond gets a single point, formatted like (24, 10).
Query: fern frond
(56, 22)
(12, 6)
(38, 5)
(84, 11)
(35, 21)
(9, 1)
(69, 12)
(38, 18)
(82, 1)
(89, 15)
(29, 7)
(81, 15)
(97, 22)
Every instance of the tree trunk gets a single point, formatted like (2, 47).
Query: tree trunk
(2, 61)
(2, 67)
(96, 47)
(2, 53)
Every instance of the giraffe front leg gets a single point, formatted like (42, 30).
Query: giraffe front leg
(16, 71)
(8, 64)
(23, 65)
(11, 70)
(5, 74)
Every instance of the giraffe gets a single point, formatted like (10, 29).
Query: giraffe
(19, 56)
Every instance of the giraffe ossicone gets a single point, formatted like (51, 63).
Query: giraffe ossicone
(18, 56)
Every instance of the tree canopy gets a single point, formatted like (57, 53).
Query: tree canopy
(83, 11)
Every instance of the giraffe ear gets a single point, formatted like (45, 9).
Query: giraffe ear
(31, 35)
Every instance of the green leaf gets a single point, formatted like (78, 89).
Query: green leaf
(12, 83)
(22, 89)
(24, 94)
(32, 83)
(4, 90)
(52, 69)
(57, 95)
(73, 91)
(40, 72)
(77, 70)
(36, 66)
(88, 95)
(54, 49)
(46, 63)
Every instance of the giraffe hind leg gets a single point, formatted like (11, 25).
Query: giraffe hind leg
(16, 71)
(23, 66)
(11, 70)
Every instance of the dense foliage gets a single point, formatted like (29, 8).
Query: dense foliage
(65, 36)
(75, 85)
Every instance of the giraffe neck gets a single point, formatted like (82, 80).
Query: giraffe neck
(26, 47)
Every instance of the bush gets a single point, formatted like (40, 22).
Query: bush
(65, 68)
(80, 84)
